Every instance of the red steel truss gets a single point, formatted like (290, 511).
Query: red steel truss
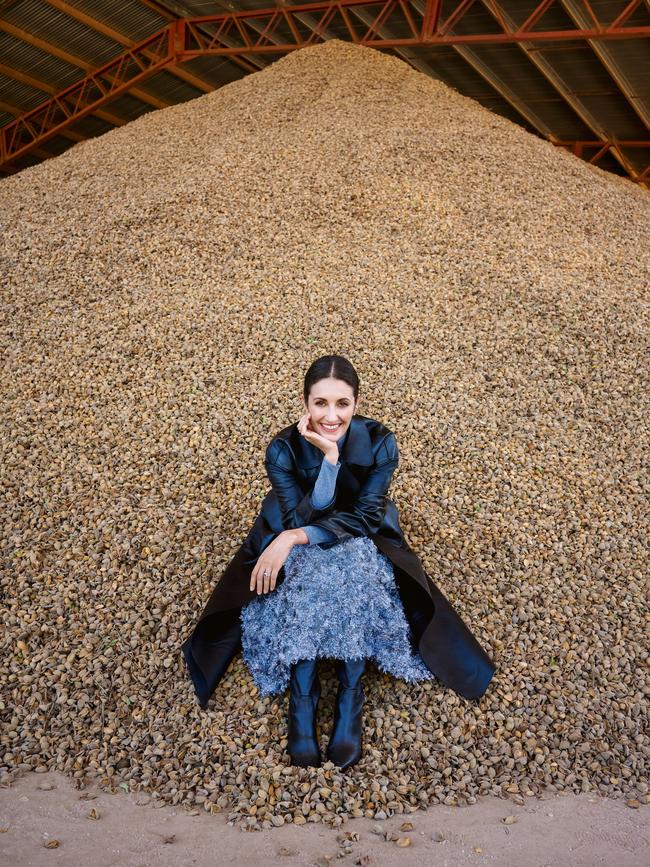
(97, 88)
(282, 29)
(601, 148)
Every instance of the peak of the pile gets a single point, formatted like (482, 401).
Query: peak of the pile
(324, 107)
(341, 141)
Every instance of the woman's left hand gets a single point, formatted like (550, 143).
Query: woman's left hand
(271, 560)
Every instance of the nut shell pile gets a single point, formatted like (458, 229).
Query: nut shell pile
(165, 287)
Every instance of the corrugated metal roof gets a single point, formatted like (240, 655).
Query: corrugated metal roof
(571, 90)
(168, 87)
(90, 126)
(135, 20)
(58, 28)
(18, 93)
(37, 63)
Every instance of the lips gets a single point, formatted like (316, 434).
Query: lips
(330, 429)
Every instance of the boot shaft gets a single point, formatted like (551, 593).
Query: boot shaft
(303, 702)
(304, 678)
(350, 672)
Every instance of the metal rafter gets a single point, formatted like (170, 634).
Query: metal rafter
(467, 54)
(73, 60)
(121, 39)
(603, 147)
(17, 112)
(488, 75)
(365, 17)
(555, 79)
(578, 12)
(238, 23)
(159, 8)
(412, 59)
(46, 87)
(172, 11)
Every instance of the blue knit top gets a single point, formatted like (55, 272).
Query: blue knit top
(323, 494)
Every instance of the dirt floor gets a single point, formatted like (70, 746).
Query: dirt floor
(130, 830)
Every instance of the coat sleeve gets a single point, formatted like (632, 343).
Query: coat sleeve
(295, 506)
(370, 505)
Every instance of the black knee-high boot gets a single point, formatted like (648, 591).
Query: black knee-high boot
(344, 748)
(302, 740)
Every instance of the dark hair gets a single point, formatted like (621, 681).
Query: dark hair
(331, 365)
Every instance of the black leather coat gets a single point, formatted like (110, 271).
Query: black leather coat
(361, 508)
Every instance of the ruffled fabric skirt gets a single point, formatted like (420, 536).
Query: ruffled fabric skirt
(340, 602)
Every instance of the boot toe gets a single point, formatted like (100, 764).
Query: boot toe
(306, 759)
(345, 745)
(344, 756)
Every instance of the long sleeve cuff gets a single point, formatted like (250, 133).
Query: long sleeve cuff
(325, 485)
(316, 535)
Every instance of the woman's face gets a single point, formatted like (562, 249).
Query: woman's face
(331, 404)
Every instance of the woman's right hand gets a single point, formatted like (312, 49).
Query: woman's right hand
(325, 445)
(271, 560)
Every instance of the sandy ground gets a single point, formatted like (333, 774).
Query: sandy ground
(130, 830)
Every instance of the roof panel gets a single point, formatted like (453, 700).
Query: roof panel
(58, 144)
(607, 11)
(216, 70)
(633, 57)
(58, 28)
(37, 63)
(130, 17)
(638, 157)
(511, 63)
(128, 107)
(169, 87)
(91, 126)
(22, 95)
(501, 106)
(589, 82)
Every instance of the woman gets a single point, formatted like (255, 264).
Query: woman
(326, 571)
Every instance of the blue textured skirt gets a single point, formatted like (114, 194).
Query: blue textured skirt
(340, 602)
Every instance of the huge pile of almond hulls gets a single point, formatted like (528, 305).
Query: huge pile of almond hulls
(165, 287)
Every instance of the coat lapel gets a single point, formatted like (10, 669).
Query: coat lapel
(357, 449)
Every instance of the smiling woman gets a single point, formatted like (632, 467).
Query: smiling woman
(330, 574)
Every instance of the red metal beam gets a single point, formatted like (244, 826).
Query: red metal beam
(596, 143)
(431, 18)
(86, 96)
(625, 14)
(602, 147)
(235, 24)
(252, 32)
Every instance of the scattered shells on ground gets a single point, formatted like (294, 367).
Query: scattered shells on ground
(164, 288)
